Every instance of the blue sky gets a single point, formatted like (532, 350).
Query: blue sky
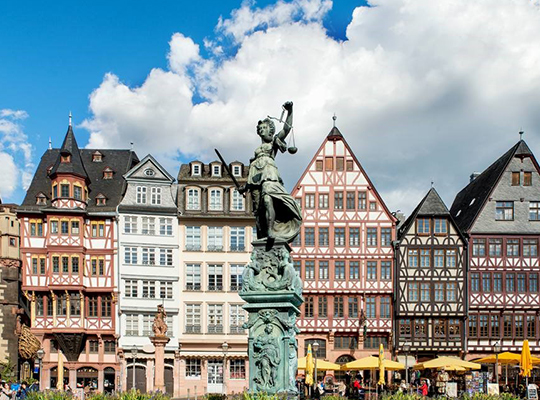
(54, 54)
(422, 94)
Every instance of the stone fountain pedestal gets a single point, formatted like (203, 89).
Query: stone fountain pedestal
(159, 343)
(272, 290)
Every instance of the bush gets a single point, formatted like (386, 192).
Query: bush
(216, 396)
(333, 397)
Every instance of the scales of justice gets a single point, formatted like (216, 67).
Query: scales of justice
(271, 287)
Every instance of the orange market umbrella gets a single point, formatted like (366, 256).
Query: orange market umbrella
(526, 361)
(309, 367)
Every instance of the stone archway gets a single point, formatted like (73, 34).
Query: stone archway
(343, 359)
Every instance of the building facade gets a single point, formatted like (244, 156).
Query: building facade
(499, 210)
(10, 263)
(148, 272)
(430, 282)
(216, 229)
(68, 250)
(344, 255)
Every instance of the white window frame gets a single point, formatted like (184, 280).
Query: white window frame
(215, 238)
(141, 194)
(156, 195)
(193, 276)
(165, 226)
(237, 201)
(193, 199)
(130, 255)
(215, 199)
(130, 224)
(196, 169)
(238, 235)
(237, 170)
(193, 316)
(193, 238)
(237, 317)
(165, 257)
(148, 226)
(214, 318)
(216, 170)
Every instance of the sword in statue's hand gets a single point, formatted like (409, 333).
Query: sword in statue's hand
(226, 166)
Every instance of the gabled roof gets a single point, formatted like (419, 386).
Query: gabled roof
(75, 166)
(334, 135)
(430, 206)
(148, 158)
(471, 199)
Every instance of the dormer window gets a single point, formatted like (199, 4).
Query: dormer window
(49, 170)
(65, 158)
(216, 170)
(149, 172)
(97, 156)
(108, 173)
(237, 170)
(41, 199)
(196, 169)
(101, 200)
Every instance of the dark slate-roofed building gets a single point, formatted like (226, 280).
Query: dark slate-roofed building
(499, 210)
(68, 251)
(431, 263)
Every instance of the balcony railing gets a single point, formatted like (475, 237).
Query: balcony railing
(193, 329)
(215, 248)
(236, 329)
(235, 288)
(214, 328)
(238, 248)
(193, 286)
(193, 247)
(215, 288)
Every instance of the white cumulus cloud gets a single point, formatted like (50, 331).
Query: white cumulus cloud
(424, 91)
(15, 153)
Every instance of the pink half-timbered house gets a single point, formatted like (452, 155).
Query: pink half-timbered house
(499, 210)
(344, 255)
(68, 251)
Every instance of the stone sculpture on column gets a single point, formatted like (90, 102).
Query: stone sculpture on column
(160, 339)
(271, 287)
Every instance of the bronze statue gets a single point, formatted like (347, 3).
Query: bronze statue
(267, 359)
(159, 327)
(277, 213)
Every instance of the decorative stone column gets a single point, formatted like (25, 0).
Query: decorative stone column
(159, 368)
(176, 374)
(159, 340)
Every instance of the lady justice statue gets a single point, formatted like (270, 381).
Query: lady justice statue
(277, 214)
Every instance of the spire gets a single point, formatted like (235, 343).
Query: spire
(334, 133)
(521, 134)
(69, 159)
(50, 143)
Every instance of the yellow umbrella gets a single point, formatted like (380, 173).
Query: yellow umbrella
(506, 358)
(60, 371)
(526, 361)
(447, 362)
(321, 365)
(371, 362)
(381, 365)
(309, 367)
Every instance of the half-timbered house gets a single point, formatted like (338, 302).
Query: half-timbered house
(500, 212)
(68, 251)
(430, 282)
(344, 256)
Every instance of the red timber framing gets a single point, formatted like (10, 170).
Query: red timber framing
(68, 251)
(344, 255)
(499, 211)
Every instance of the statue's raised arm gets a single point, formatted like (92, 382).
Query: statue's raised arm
(277, 213)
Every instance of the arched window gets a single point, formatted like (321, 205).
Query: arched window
(193, 199)
(341, 360)
(216, 200)
(321, 352)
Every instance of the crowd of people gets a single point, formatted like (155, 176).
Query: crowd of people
(16, 390)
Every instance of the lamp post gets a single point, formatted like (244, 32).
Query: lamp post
(134, 351)
(225, 348)
(40, 354)
(497, 349)
(315, 349)
(406, 349)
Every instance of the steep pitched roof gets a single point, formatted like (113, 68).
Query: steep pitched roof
(145, 160)
(430, 206)
(120, 161)
(70, 148)
(471, 199)
(334, 133)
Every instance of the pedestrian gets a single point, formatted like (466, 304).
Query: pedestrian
(424, 388)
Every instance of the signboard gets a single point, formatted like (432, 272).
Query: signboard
(451, 389)
(532, 392)
(493, 389)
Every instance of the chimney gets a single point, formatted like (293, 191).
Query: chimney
(473, 176)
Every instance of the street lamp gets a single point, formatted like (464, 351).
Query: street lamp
(225, 348)
(134, 351)
(497, 349)
(406, 350)
(40, 354)
(315, 349)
